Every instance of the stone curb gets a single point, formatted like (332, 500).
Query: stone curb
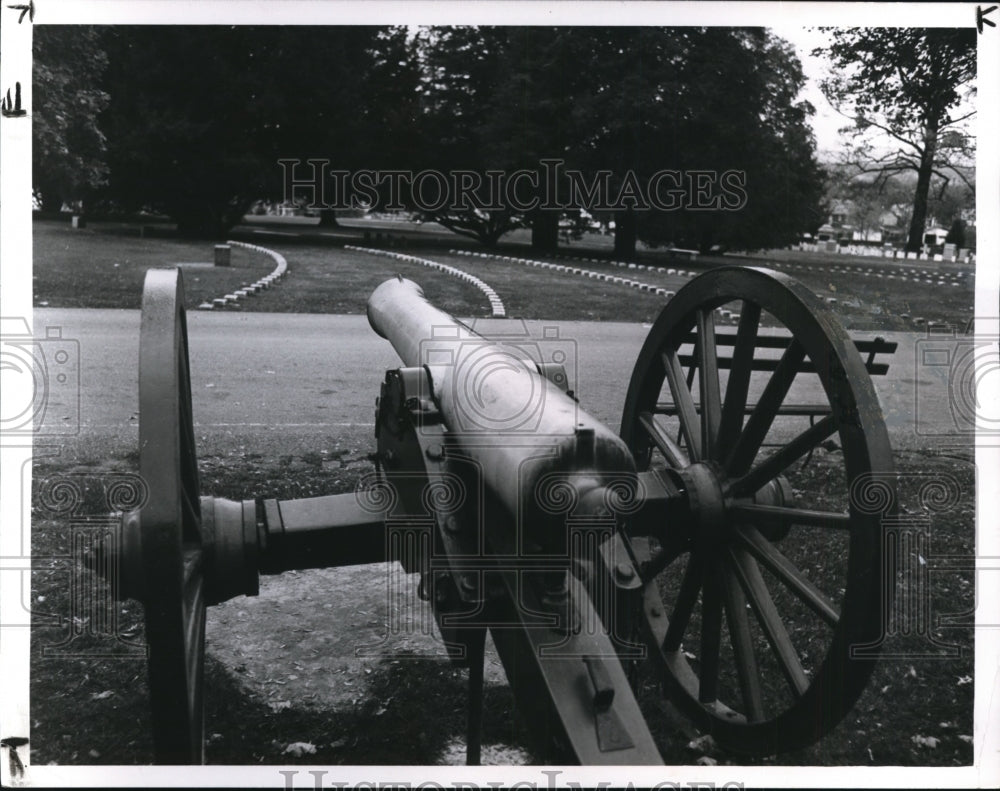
(625, 281)
(496, 305)
(902, 273)
(232, 300)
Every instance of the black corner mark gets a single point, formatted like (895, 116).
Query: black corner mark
(12, 743)
(13, 110)
(981, 17)
(28, 9)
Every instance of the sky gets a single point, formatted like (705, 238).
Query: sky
(827, 121)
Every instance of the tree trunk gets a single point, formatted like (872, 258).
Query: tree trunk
(545, 231)
(626, 228)
(328, 218)
(200, 223)
(915, 240)
(51, 200)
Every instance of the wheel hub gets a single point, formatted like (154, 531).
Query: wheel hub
(703, 485)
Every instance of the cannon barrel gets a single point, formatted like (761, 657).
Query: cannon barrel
(529, 437)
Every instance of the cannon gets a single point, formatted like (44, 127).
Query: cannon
(700, 555)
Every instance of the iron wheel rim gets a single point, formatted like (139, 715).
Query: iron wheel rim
(170, 524)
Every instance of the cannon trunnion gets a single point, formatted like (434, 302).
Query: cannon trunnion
(691, 555)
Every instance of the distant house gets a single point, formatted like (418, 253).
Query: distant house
(934, 237)
(893, 224)
(840, 212)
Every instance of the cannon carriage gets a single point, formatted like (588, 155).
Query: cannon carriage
(686, 555)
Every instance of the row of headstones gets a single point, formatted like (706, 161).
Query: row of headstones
(229, 301)
(671, 252)
(496, 304)
(660, 292)
(929, 277)
(951, 253)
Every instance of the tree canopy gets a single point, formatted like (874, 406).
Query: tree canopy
(618, 106)
(69, 145)
(913, 85)
(691, 136)
(200, 116)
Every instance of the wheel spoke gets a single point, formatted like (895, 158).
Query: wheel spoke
(690, 424)
(686, 598)
(708, 382)
(786, 571)
(190, 516)
(780, 460)
(742, 641)
(738, 383)
(760, 514)
(711, 635)
(673, 453)
(760, 420)
(194, 594)
(666, 555)
(752, 582)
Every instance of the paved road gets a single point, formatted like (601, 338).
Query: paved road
(276, 382)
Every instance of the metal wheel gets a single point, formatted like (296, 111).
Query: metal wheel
(763, 599)
(170, 525)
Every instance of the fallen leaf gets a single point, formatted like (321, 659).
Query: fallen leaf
(964, 680)
(298, 749)
(703, 744)
(965, 738)
(280, 705)
(706, 761)
(102, 695)
(925, 741)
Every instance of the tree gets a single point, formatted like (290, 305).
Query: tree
(909, 84)
(531, 120)
(704, 103)
(462, 68)
(200, 116)
(619, 105)
(69, 145)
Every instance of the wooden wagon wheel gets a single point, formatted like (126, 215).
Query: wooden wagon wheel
(170, 525)
(756, 600)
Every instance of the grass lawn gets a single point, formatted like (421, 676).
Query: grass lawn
(103, 266)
